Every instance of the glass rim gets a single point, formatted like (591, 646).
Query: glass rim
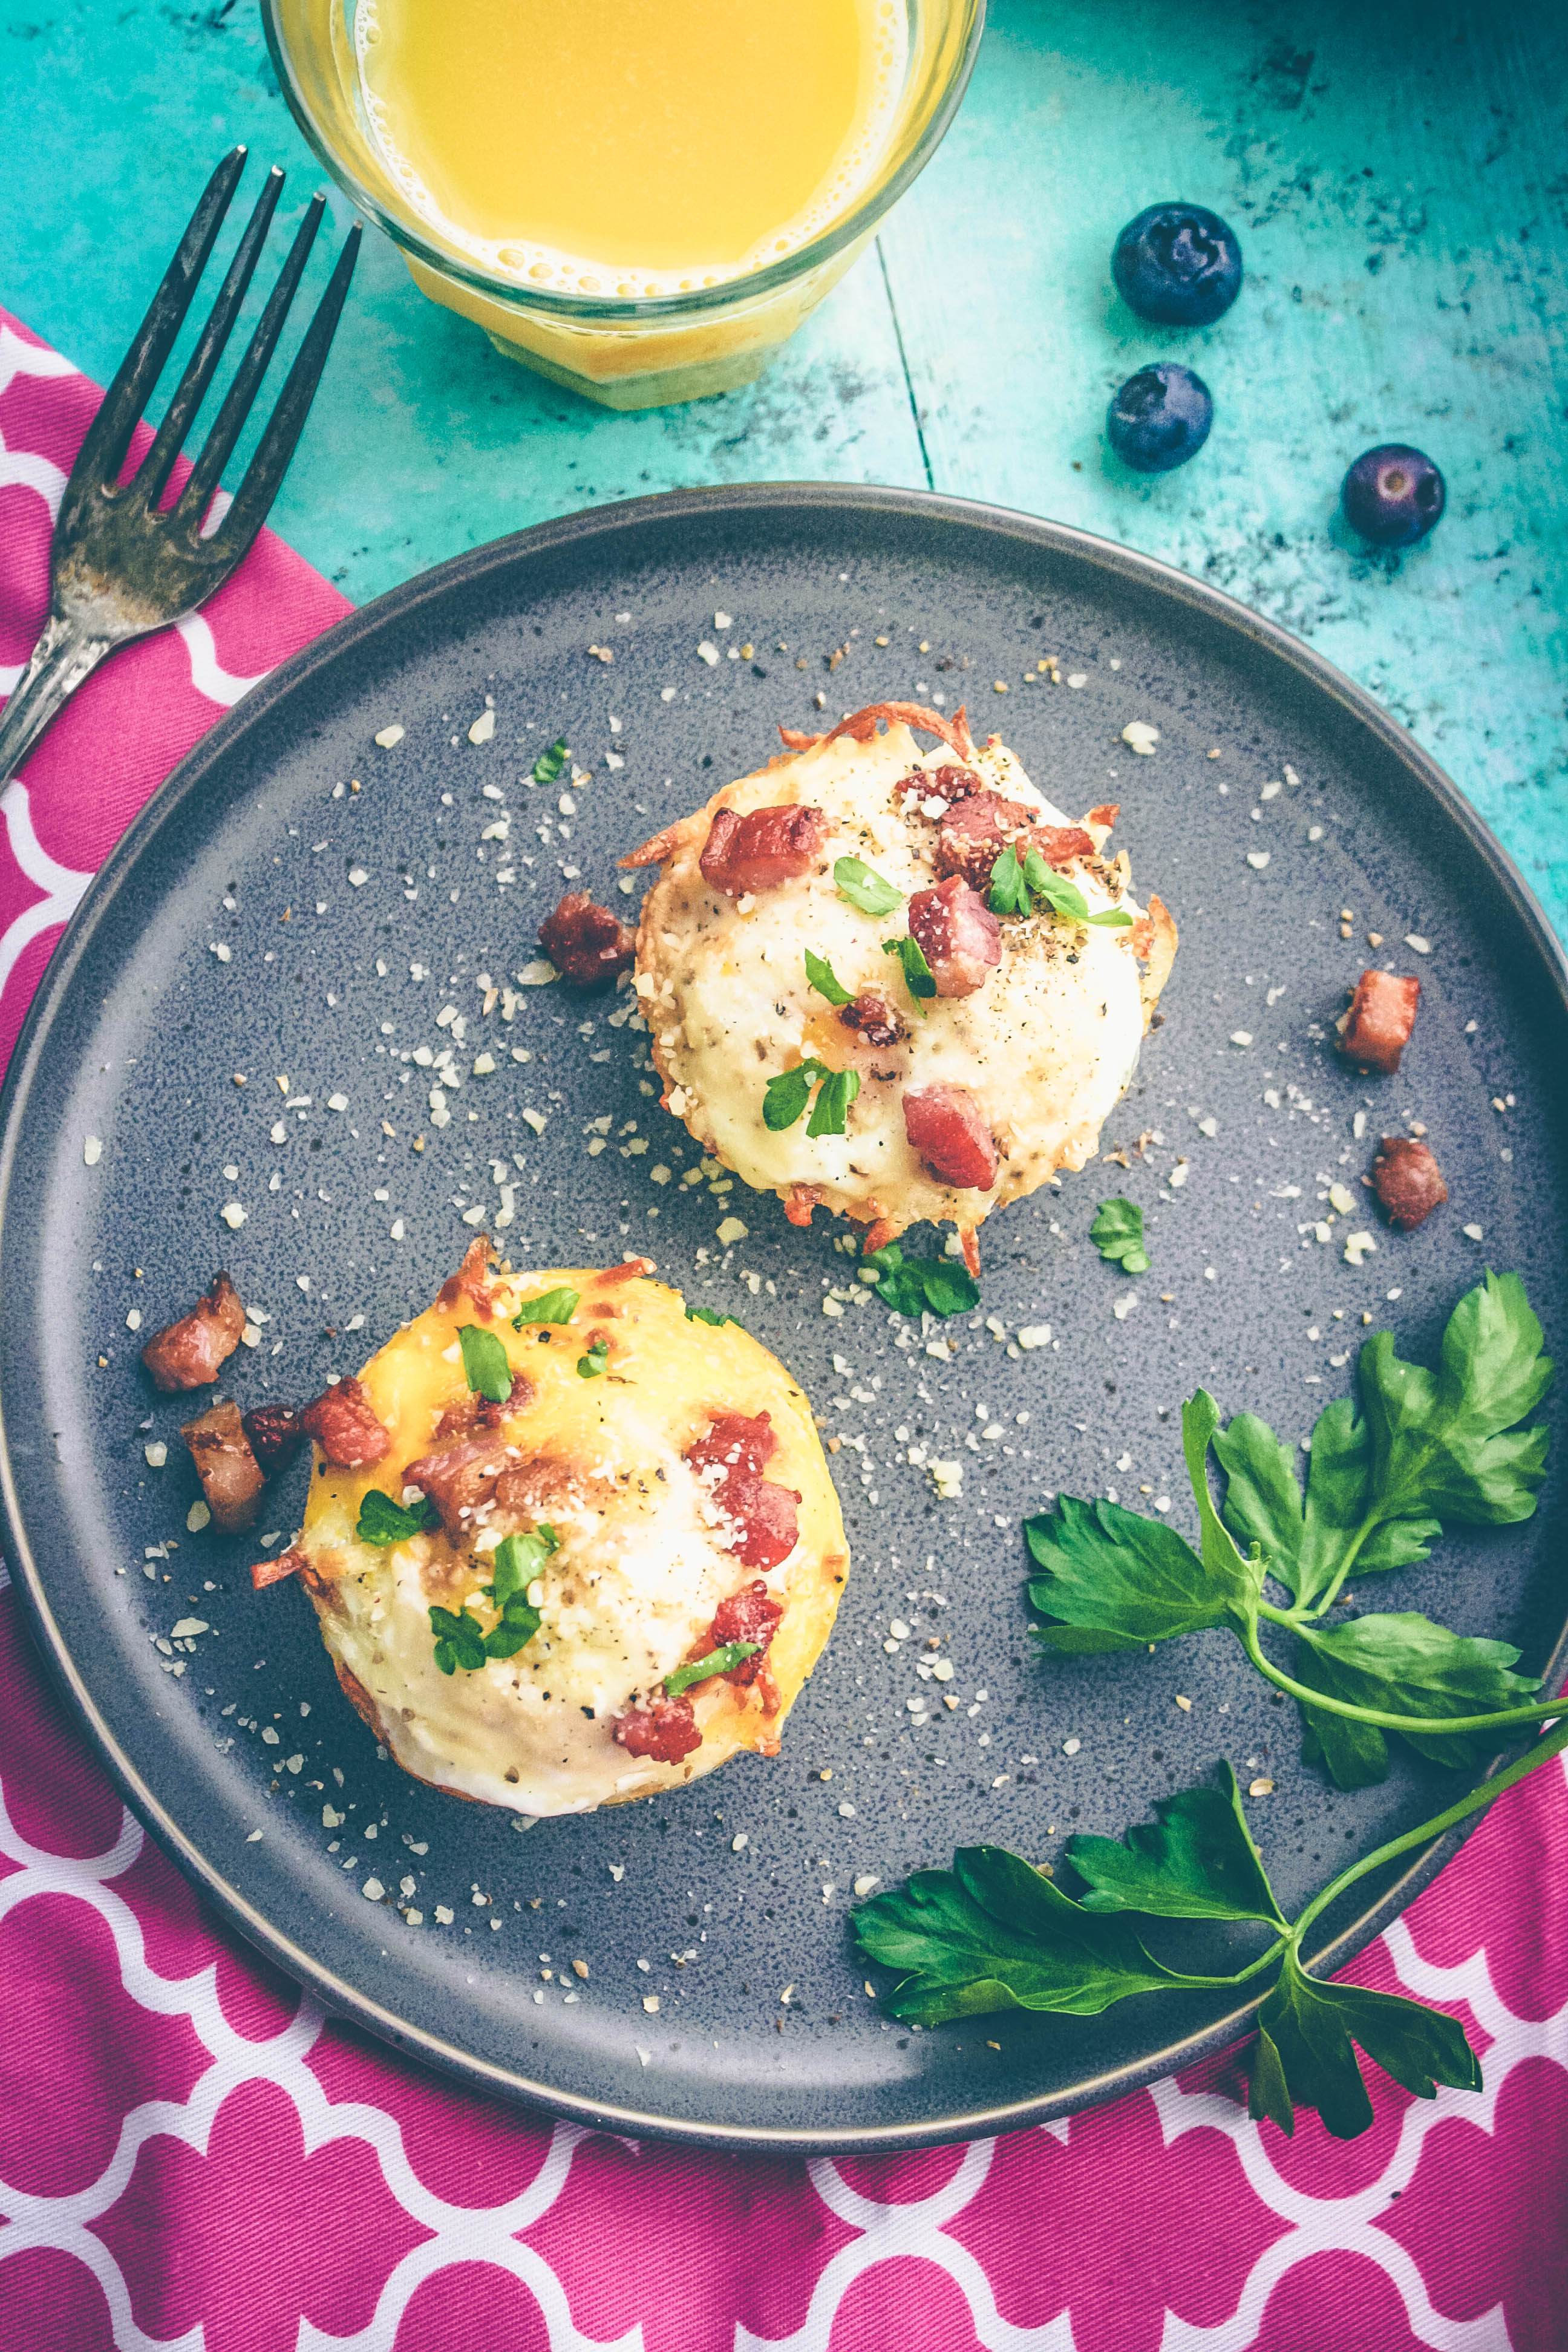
(598, 308)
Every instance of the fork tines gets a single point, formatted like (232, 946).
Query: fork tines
(103, 452)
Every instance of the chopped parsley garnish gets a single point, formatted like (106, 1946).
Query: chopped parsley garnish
(1117, 1234)
(865, 888)
(701, 1670)
(939, 1286)
(382, 1521)
(485, 1367)
(712, 1315)
(1015, 885)
(918, 976)
(548, 764)
(785, 1098)
(461, 1640)
(550, 1307)
(590, 1365)
(825, 980)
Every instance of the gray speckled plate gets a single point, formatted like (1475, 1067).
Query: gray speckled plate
(299, 906)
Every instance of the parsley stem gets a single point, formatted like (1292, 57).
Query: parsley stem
(1321, 1608)
(1476, 1801)
(1428, 1725)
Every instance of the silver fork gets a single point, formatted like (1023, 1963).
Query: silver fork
(121, 568)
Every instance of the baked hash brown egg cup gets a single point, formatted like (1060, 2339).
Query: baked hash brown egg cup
(954, 976)
(568, 1542)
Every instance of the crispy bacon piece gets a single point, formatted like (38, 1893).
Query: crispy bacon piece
(1408, 1181)
(275, 1434)
(1382, 1016)
(458, 1478)
(971, 1242)
(958, 935)
(753, 1615)
(947, 1127)
(971, 837)
(628, 1270)
(343, 1421)
(273, 1571)
(862, 726)
(664, 1729)
(188, 1354)
(799, 1202)
(231, 1476)
(946, 783)
(587, 943)
(472, 1280)
(474, 1413)
(736, 1441)
(872, 1018)
(764, 1516)
(878, 1234)
(761, 849)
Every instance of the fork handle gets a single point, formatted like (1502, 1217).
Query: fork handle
(64, 655)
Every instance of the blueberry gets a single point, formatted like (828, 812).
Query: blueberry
(1160, 418)
(1177, 264)
(1393, 495)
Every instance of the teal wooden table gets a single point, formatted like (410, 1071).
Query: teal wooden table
(1397, 176)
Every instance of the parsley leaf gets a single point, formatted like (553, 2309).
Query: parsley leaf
(1306, 2055)
(590, 1365)
(1198, 1862)
(1013, 883)
(1113, 1581)
(1402, 1664)
(701, 1670)
(939, 1286)
(834, 1097)
(1426, 1447)
(557, 1306)
(1117, 1234)
(712, 1315)
(382, 1521)
(865, 888)
(1009, 892)
(548, 764)
(918, 977)
(992, 1933)
(459, 1641)
(785, 1098)
(1062, 896)
(825, 980)
(485, 1367)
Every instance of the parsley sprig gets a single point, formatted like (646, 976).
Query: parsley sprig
(1117, 1234)
(993, 1933)
(939, 1286)
(785, 1098)
(462, 1641)
(1424, 1449)
(821, 976)
(1017, 883)
(865, 887)
(595, 1362)
(710, 1315)
(548, 764)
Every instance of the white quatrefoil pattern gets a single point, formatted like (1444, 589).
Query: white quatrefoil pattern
(193, 2157)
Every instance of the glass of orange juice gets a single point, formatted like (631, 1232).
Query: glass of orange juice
(641, 199)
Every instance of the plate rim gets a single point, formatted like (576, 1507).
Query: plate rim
(339, 641)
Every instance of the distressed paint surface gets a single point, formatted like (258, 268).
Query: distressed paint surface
(1396, 174)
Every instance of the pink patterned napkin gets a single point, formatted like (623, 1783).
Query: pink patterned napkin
(191, 2153)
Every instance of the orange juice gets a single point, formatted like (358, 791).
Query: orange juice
(637, 148)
